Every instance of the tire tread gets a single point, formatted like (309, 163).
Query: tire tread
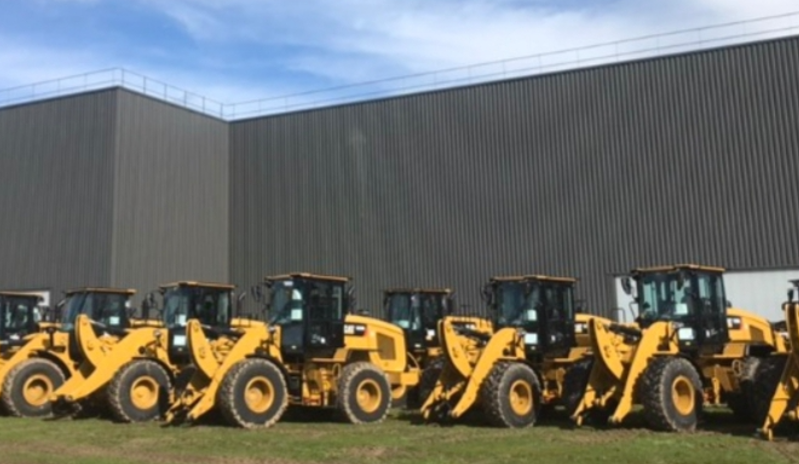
(345, 385)
(115, 393)
(226, 396)
(7, 397)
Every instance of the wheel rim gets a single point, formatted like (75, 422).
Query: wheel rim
(521, 397)
(369, 396)
(144, 393)
(259, 394)
(37, 389)
(682, 395)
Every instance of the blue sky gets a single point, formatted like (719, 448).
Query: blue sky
(234, 50)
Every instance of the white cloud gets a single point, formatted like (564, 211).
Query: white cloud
(360, 40)
(326, 43)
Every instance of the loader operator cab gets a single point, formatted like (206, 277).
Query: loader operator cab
(542, 306)
(310, 311)
(209, 303)
(690, 296)
(108, 308)
(20, 315)
(417, 312)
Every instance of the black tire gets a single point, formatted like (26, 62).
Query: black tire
(767, 377)
(363, 378)
(509, 380)
(741, 402)
(574, 383)
(428, 379)
(253, 394)
(40, 377)
(139, 391)
(671, 394)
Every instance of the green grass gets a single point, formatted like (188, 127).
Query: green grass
(398, 440)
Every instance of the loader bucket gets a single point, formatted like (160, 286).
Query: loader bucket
(621, 355)
(470, 356)
(199, 396)
(102, 358)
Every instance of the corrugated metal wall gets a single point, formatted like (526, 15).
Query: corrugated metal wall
(56, 193)
(585, 173)
(171, 195)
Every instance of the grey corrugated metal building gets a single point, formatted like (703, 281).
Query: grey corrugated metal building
(586, 173)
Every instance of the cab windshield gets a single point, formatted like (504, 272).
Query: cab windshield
(414, 311)
(661, 298)
(516, 307)
(210, 306)
(19, 314)
(106, 308)
(289, 300)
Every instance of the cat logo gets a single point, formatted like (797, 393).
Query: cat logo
(354, 329)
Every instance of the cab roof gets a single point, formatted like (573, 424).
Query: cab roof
(20, 295)
(193, 283)
(118, 291)
(436, 291)
(536, 277)
(307, 275)
(677, 267)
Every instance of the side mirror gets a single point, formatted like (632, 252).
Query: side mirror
(41, 313)
(55, 313)
(632, 311)
(790, 296)
(486, 293)
(239, 303)
(728, 303)
(450, 306)
(148, 305)
(257, 293)
(627, 286)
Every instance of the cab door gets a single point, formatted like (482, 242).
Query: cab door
(558, 306)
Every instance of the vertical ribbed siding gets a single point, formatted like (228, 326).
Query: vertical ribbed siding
(56, 193)
(171, 202)
(586, 173)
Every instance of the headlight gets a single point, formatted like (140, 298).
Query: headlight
(430, 334)
(580, 328)
(734, 323)
(179, 340)
(685, 333)
(531, 339)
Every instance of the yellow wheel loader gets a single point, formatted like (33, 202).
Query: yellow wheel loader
(518, 368)
(417, 311)
(690, 349)
(132, 372)
(776, 386)
(312, 352)
(36, 364)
